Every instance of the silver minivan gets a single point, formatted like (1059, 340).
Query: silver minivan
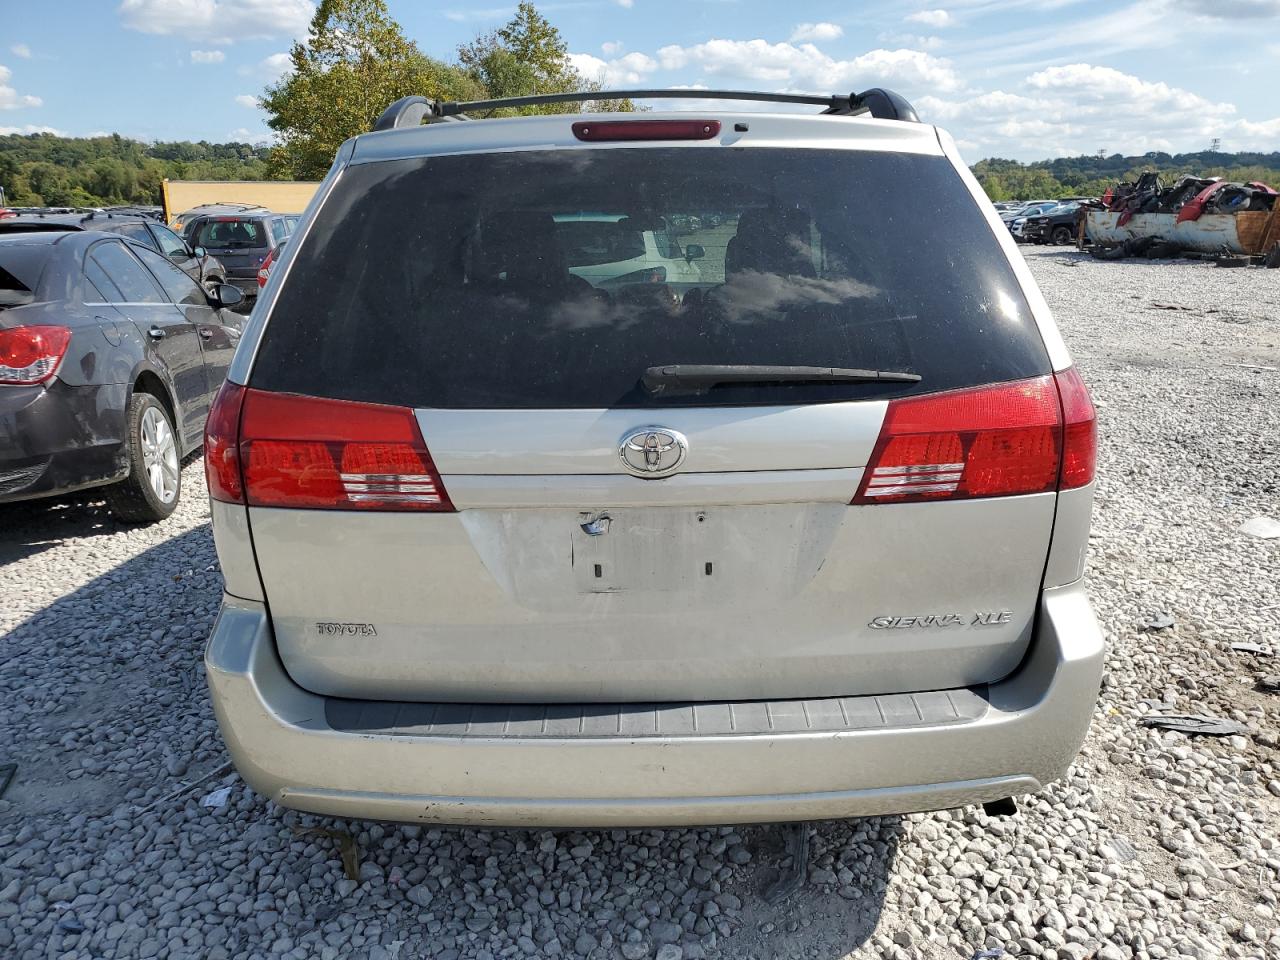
(802, 540)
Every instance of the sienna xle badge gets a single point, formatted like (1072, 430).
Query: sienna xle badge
(651, 469)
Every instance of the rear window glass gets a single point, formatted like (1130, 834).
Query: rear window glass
(20, 269)
(230, 233)
(133, 282)
(535, 279)
(103, 288)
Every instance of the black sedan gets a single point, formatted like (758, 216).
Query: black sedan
(109, 359)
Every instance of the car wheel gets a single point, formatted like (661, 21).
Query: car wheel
(154, 485)
(1061, 234)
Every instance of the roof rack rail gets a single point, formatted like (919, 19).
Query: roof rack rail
(413, 110)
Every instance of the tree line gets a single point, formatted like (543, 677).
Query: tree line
(41, 169)
(1090, 176)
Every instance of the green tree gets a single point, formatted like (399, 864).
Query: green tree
(111, 178)
(354, 63)
(527, 56)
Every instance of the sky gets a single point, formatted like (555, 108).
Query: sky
(1026, 79)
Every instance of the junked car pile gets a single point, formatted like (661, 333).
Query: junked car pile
(1193, 215)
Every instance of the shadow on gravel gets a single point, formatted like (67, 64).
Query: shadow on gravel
(30, 527)
(82, 679)
(103, 707)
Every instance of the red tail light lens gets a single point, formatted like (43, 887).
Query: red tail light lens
(32, 354)
(987, 442)
(335, 455)
(1079, 432)
(597, 131)
(222, 445)
(264, 271)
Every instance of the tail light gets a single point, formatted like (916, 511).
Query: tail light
(1030, 436)
(307, 452)
(222, 445)
(32, 354)
(1079, 431)
(264, 271)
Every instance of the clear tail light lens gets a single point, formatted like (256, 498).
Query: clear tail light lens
(313, 453)
(32, 354)
(996, 441)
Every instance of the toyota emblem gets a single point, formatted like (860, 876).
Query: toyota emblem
(653, 452)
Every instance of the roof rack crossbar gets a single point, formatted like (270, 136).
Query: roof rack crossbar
(413, 110)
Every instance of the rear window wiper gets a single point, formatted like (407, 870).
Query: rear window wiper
(697, 377)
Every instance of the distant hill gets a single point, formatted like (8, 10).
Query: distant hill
(43, 169)
(1091, 175)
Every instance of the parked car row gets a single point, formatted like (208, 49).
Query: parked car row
(154, 213)
(1042, 221)
(244, 237)
(110, 356)
(472, 497)
(116, 332)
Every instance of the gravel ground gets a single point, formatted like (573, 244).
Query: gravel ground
(1158, 844)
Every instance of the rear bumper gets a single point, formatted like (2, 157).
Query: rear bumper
(58, 438)
(1025, 735)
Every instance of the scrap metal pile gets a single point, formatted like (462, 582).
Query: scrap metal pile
(1195, 214)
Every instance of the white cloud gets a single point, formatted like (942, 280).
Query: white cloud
(258, 138)
(1110, 86)
(630, 68)
(11, 99)
(21, 51)
(626, 4)
(32, 128)
(247, 100)
(911, 40)
(224, 21)
(816, 31)
(278, 64)
(788, 66)
(1253, 133)
(270, 68)
(207, 56)
(611, 47)
(1079, 108)
(931, 18)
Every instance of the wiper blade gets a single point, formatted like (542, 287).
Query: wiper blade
(697, 377)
